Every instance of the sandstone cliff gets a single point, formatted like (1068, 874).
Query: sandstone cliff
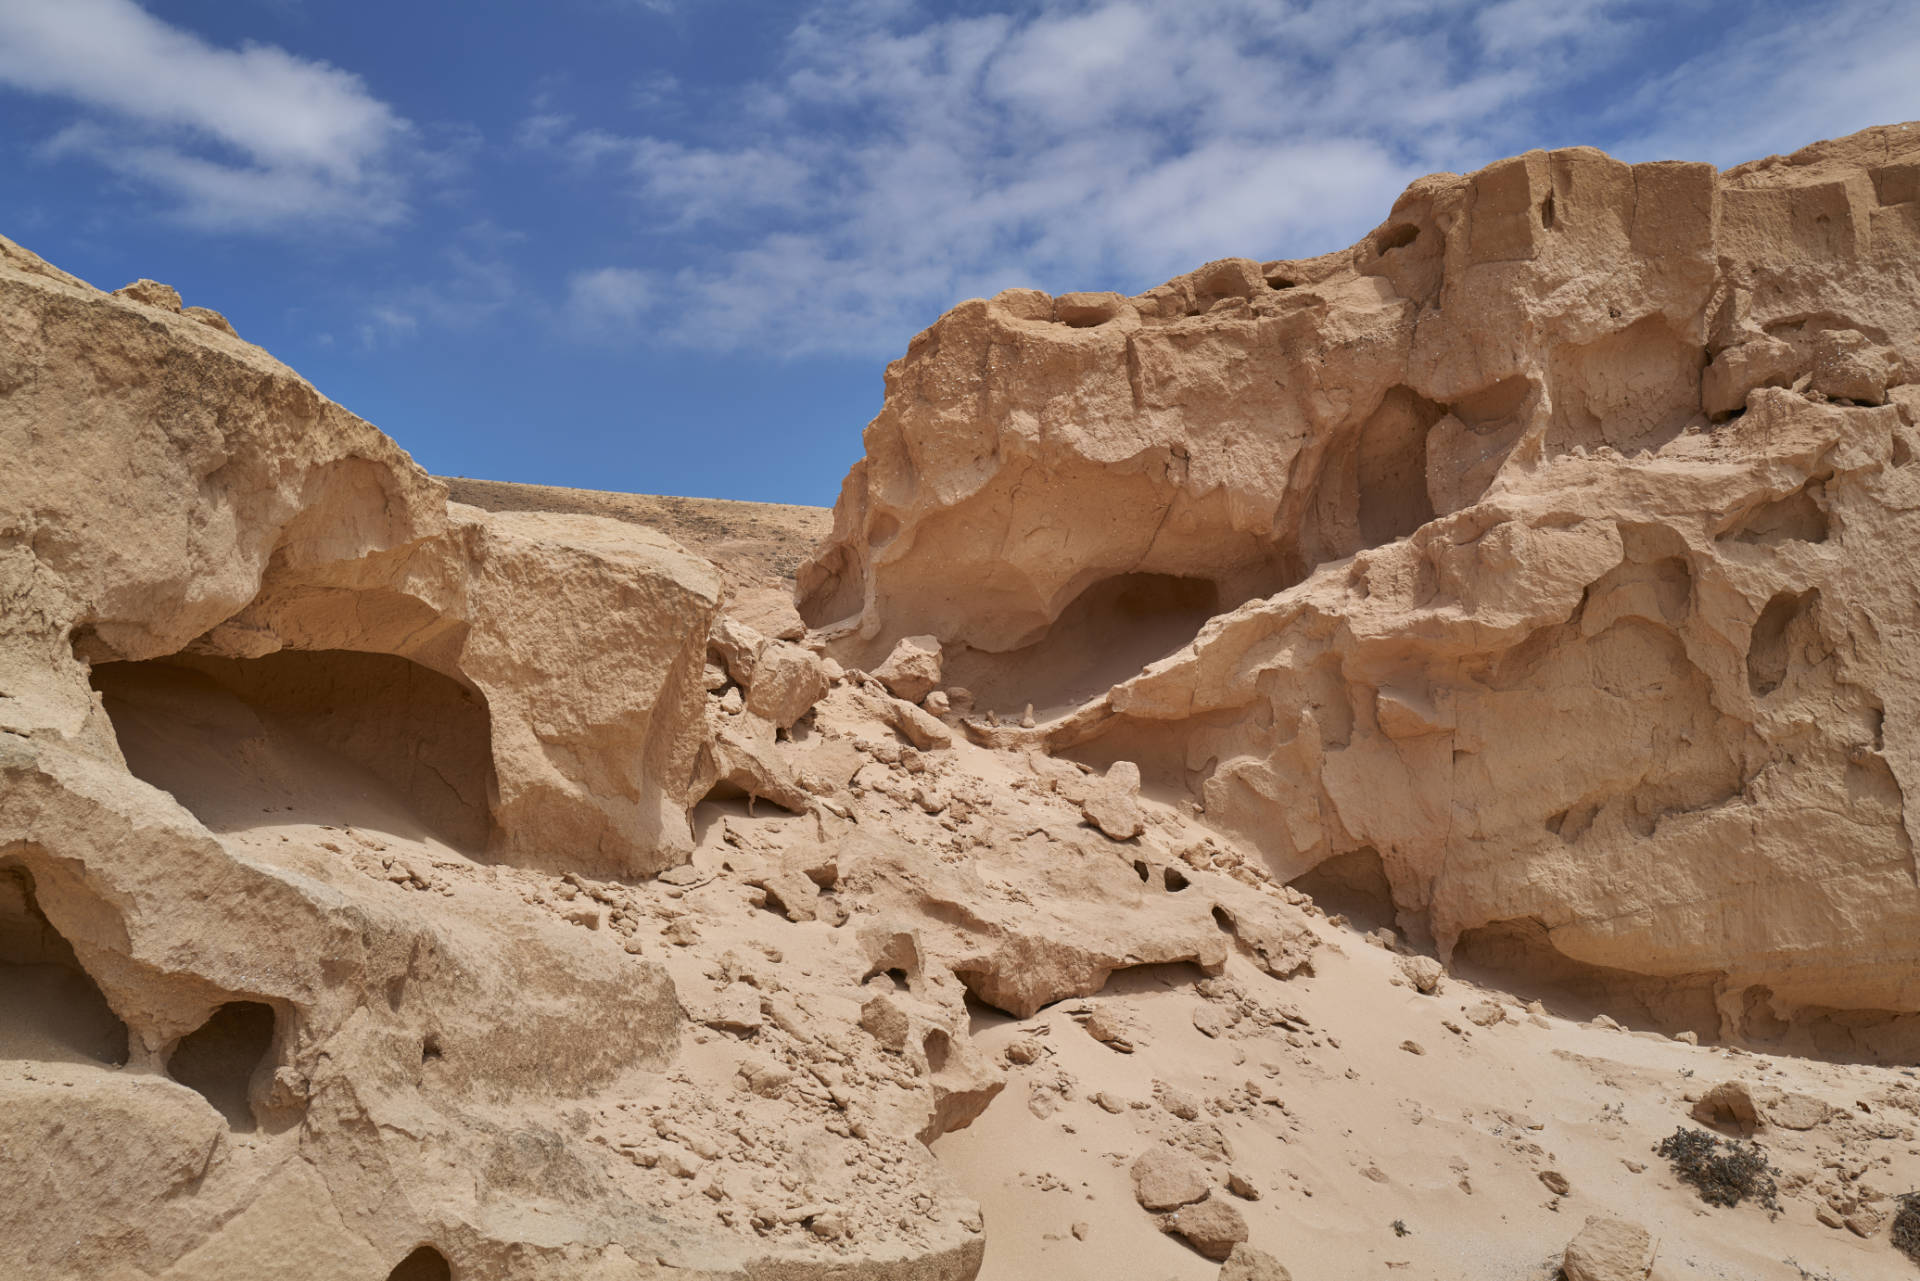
(1544, 558)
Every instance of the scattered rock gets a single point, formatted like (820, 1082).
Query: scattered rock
(1113, 805)
(912, 670)
(1107, 1027)
(1423, 972)
(1165, 1178)
(1729, 1104)
(787, 682)
(1608, 1250)
(1213, 1227)
(1248, 1264)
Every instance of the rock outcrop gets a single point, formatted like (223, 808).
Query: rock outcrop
(1546, 553)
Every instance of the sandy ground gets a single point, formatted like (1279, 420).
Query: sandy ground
(1348, 1133)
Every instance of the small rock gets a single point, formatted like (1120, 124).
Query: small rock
(1177, 1102)
(1413, 1047)
(1729, 1103)
(912, 670)
(1166, 1178)
(923, 729)
(1423, 972)
(1022, 1051)
(1081, 1230)
(1211, 1020)
(1213, 1227)
(1608, 1250)
(787, 682)
(1241, 1186)
(1105, 1027)
(1556, 1182)
(1486, 1013)
(1249, 1264)
(1112, 803)
(1847, 366)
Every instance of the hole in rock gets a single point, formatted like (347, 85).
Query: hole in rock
(937, 1046)
(220, 1059)
(1770, 652)
(51, 1010)
(899, 978)
(1174, 880)
(424, 1264)
(321, 736)
(1280, 282)
(1799, 517)
(1519, 955)
(430, 1050)
(1141, 870)
(1391, 468)
(1398, 236)
(1223, 918)
(1106, 635)
(1546, 211)
(1353, 885)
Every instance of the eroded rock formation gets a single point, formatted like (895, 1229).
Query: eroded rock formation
(400, 887)
(1547, 551)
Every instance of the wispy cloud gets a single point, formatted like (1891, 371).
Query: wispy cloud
(608, 301)
(901, 159)
(252, 137)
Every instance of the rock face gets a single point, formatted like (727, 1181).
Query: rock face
(1554, 534)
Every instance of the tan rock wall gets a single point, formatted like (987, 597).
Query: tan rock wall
(1571, 540)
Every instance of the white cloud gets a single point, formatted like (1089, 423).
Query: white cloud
(607, 300)
(902, 159)
(247, 137)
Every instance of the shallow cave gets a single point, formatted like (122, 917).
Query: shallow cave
(1519, 956)
(220, 1058)
(1353, 885)
(334, 736)
(424, 1264)
(51, 1010)
(1108, 633)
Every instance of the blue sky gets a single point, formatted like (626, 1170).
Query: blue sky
(668, 246)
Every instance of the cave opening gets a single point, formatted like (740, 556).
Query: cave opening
(51, 1010)
(220, 1058)
(1108, 633)
(325, 736)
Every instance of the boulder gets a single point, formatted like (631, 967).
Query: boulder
(1165, 1178)
(1214, 1228)
(1608, 1249)
(786, 682)
(912, 670)
(1248, 1264)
